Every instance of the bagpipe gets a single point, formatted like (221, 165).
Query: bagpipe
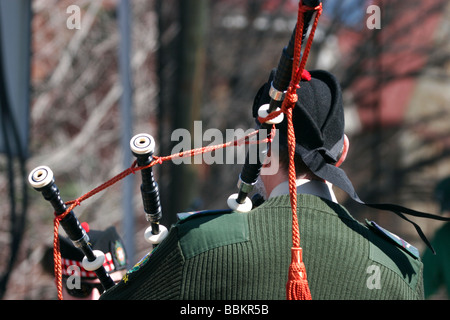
(42, 180)
(142, 147)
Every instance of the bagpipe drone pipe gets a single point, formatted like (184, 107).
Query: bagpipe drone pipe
(41, 179)
(281, 80)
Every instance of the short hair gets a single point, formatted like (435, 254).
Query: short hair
(300, 167)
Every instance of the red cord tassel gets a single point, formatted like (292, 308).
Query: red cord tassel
(297, 286)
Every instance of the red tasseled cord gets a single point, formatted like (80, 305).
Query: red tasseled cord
(297, 287)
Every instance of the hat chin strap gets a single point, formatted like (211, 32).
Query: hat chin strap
(315, 161)
(345, 148)
(314, 158)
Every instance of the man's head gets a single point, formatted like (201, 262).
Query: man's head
(318, 119)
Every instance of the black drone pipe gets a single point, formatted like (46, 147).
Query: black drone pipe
(279, 85)
(41, 179)
(143, 146)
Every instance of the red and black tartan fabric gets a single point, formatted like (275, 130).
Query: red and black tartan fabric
(107, 241)
(75, 268)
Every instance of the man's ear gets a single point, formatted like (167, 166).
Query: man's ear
(344, 151)
(269, 158)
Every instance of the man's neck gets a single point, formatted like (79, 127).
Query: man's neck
(305, 186)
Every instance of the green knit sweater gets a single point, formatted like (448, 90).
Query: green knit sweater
(247, 255)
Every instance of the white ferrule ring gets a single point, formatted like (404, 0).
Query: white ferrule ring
(96, 264)
(155, 238)
(142, 143)
(40, 177)
(263, 112)
(239, 207)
